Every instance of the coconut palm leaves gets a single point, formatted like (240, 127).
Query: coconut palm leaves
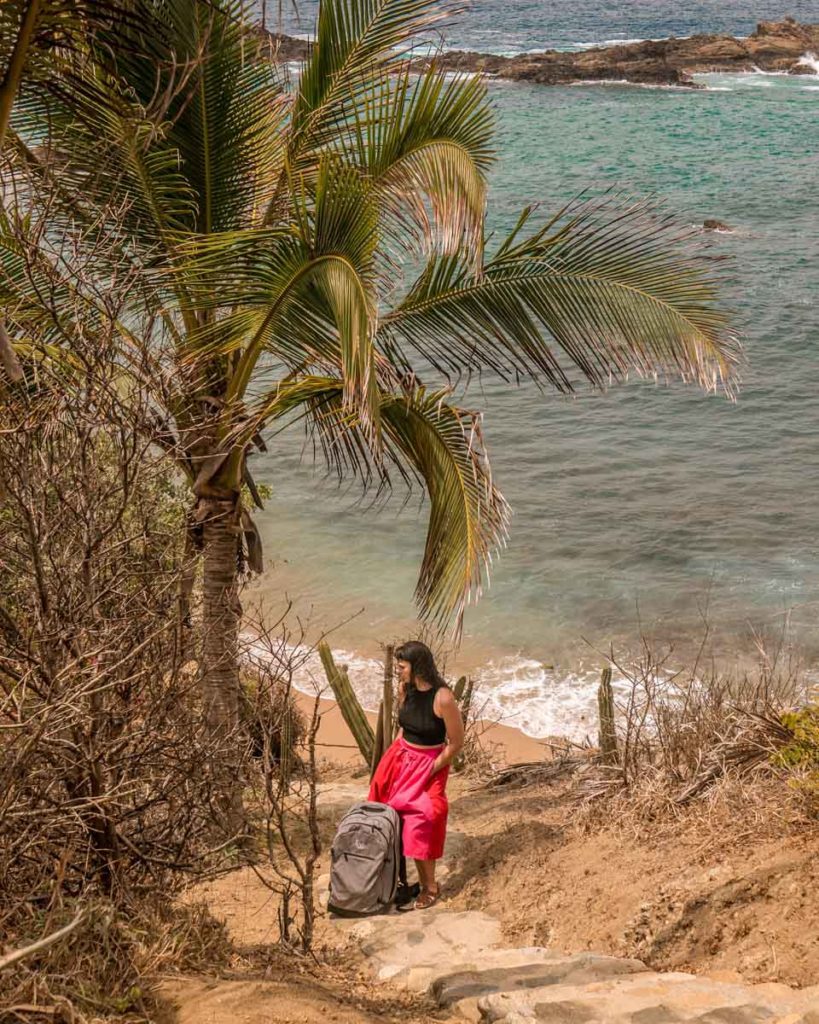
(426, 142)
(32, 32)
(356, 43)
(302, 249)
(607, 287)
(425, 438)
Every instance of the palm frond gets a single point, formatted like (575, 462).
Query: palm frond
(355, 42)
(103, 148)
(35, 36)
(426, 139)
(425, 438)
(608, 287)
(228, 120)
(312, 287)
(468, 516)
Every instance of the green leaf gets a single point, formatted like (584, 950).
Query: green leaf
(427, 439)
(425, 140)
(355, 43)
(608, 287)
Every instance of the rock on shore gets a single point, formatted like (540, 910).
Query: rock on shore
(774, 46)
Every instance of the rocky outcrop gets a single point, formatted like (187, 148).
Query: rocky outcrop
(774, 46)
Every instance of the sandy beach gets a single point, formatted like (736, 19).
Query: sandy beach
(336, 744)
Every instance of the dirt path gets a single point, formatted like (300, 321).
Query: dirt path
(512, 871)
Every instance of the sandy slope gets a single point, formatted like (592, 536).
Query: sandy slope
(729, 886)
(711, 890)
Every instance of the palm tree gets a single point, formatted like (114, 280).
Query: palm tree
(301, 250)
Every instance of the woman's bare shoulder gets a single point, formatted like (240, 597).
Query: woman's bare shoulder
(444, 697)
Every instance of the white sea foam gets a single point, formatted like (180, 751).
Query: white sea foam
(450, 76)
(756, 79)
(809, 60)
(632, 85)
(612, 42)
(366, 674)
(767, 74)
(538, 699)
(574, 47)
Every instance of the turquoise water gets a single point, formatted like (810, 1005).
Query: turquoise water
(512, 26)
(643, 507)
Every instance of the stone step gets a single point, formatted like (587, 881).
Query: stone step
(411, 950)
(511, 970)
(651, 998)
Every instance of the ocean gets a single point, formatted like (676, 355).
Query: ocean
(650, 509)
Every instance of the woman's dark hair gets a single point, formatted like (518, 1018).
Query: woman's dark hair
(422, 663)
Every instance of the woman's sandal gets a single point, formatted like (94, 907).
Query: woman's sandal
(427, 899)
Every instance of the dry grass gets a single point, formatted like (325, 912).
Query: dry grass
(698, 743)
(98, 972)
(106, 801)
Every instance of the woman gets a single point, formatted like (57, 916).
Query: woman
(412, 774)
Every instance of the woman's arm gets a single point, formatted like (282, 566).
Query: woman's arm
(446, 707)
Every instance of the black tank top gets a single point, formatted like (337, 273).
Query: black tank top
(417, 718)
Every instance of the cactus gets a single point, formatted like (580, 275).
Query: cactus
(348, 703)
(379, 745)
(463, 695)
(385, 728)
(605, 705)
(466, 699)
(388, 699)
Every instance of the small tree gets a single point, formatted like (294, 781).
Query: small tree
(285, 781)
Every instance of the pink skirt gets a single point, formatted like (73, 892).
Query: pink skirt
(404, 780)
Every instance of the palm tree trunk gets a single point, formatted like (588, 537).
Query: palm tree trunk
(17, 62)
(221, 615)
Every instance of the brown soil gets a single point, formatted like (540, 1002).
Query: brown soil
(701, 892)
(288, 997)
(266, 984)
(728, 886)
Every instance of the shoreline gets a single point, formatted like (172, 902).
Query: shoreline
(335, 742)
(518, 695)
(786, 46)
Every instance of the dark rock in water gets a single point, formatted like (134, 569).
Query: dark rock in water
(286, 48)
(802, 69)
(774, 46)
(716, 225)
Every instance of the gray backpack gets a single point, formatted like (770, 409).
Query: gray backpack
(365, 861)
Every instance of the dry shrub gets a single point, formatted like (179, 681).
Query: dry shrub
(106, 807)
(103, 968)
(480, 755)
(283, 779)
(698, 735)
(268, 714)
